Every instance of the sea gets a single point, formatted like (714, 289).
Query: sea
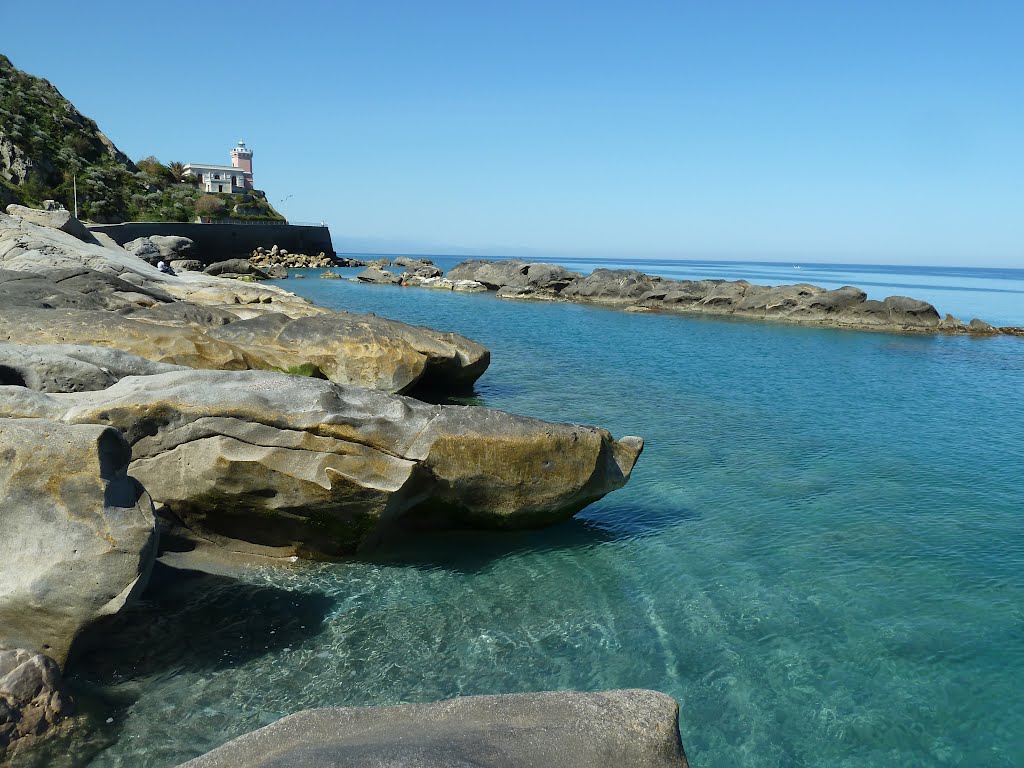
(820, 553)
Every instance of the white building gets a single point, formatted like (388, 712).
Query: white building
(235, 178)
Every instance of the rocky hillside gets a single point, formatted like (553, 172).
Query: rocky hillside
(45, 142)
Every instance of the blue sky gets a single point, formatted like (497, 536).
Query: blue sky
(884, 132)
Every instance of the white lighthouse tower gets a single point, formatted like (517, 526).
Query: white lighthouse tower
(241, 158)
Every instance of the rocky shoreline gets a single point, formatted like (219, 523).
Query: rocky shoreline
(802, 304)
(242, 419)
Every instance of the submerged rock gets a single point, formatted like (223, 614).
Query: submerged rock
(33, 698)
(564, 729)
(78, 534)
(279, 464)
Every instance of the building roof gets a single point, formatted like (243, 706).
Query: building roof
(208, 167)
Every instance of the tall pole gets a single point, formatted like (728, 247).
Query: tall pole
(74, 182)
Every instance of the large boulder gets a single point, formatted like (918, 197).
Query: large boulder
(235, 267)
(365, 350)
(78, 533)
(422, 271)
(29, 247)
(410, 262)
(55, 218)
(612, 286)
(284, 465)
(154, 248)
(563, 729)
(529, 278)
(187, 265)
(173, 246)
(33, 698)
(379, 276)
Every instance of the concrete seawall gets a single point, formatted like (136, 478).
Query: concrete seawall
(217, 242)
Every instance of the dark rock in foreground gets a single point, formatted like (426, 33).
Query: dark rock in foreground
(32, 698)
(614, 729)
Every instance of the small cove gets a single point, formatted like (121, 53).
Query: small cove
(820, 553)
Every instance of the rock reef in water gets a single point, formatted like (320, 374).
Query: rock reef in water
(565, 729)
(281, 465)
(845, 307)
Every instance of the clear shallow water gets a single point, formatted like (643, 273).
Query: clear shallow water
(820, 554)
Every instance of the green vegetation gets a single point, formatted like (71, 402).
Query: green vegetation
(47, 147)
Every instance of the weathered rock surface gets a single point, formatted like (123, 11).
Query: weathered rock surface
(409, 261)
(33, 698)
(187, 265)
(613, 286)
(564, 729)
(70, 367)
(234, 268)
(74, 288)
(377, 275)
(155, 248)
(361, 349)
(421, 270)
(55, 218)
(530, 278)
(29, 247)
(280, 464)
(845, 307)
(165, 324)
(78, 533)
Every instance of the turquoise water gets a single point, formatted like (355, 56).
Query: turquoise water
(820, 554)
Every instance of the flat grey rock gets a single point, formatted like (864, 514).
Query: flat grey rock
(614, 729)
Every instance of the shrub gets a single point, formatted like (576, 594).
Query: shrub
(210, 205)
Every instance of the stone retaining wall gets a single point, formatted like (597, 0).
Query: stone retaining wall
(219, 242)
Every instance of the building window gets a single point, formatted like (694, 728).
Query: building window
(216, 175)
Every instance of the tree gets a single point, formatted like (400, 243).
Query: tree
(177, 170)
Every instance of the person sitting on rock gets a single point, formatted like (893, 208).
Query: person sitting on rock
(166, 268)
